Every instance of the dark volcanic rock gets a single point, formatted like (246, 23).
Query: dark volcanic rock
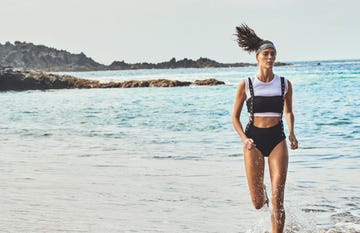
(134, 83)
(39, 57)
(110, 85)
(154, 83)
(208, 82)
(172, 64)
(30, 80)
(168, 83)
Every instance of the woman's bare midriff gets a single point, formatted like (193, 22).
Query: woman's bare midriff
(266, 122)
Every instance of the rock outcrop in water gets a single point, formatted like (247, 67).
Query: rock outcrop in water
(11, 79)
(25, 55)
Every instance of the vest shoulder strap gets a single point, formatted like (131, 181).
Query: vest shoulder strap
(282, 86)
(251, 88)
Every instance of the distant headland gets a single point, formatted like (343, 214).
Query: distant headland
(28, 56)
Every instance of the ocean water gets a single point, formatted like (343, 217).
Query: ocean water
(168, 159)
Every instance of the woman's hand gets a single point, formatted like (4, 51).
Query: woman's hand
(249, 143)
(293, 141)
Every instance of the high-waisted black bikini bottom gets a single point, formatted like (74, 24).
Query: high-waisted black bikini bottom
(265, 138)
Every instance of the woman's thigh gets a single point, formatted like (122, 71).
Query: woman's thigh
(254, 165)
(278, 166)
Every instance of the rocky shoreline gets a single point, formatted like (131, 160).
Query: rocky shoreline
(19, 80)
(23, 55)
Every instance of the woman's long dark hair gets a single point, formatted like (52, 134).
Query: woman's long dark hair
(247, 38)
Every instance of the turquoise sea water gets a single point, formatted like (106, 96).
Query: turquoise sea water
(168, 159)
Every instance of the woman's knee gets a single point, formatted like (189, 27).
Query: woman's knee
(258, 204)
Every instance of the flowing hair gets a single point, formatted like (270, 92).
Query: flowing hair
(247, 38)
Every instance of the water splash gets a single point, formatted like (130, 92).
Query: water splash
(296, 220)
(262, 223)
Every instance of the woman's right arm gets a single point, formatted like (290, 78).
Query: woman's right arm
(239, 102)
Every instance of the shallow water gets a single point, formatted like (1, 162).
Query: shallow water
(168, 159)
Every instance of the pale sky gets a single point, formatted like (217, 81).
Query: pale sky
(157, 30)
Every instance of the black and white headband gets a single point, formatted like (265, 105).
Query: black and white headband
(267, 45)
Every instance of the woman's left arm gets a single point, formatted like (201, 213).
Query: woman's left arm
(289, 115)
